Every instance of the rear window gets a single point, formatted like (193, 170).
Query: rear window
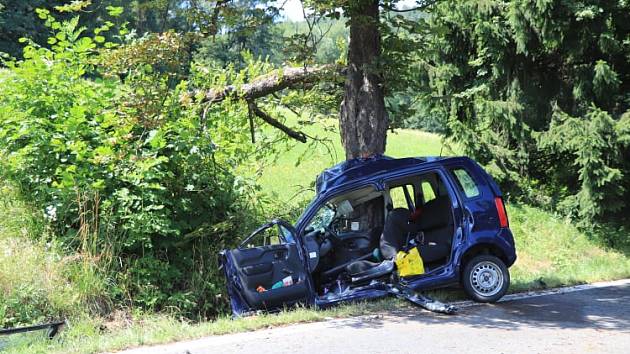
(466, 183)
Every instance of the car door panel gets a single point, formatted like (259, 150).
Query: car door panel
(254, 268)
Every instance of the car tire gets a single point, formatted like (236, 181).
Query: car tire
(485, 278)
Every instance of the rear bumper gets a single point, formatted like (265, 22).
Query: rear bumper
(508, 246)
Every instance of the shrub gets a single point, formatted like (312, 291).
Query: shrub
(124, 171)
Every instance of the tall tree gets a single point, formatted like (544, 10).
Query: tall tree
(372, 70)
(363, 116)
(539, 93)
(371, 74)
(363, 120)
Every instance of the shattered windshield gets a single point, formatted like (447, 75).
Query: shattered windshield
(323, 217)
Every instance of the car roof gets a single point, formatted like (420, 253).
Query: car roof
(364, 169)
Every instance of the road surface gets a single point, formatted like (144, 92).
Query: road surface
(596, 320)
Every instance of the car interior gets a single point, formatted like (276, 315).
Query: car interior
(348, 249)
(351, 241)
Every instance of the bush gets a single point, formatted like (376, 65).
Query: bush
(125, 169)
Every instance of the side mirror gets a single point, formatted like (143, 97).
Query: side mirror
(309, 229)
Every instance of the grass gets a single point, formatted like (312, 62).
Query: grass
(36, 282)
(551, 252)
(83, 336)
(288, 182)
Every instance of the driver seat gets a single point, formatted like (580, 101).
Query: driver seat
(393, 238)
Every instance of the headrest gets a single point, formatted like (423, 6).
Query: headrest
(436, 213)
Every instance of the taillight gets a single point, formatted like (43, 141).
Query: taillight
(503, 220)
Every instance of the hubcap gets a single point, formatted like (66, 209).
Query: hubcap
(486, 278)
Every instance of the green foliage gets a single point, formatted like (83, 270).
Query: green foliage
(320, 40)
(249, 28)
(596, 141)
(536, 91)
(21, 19)
(127, 172)
(17, 20)
(37, 283)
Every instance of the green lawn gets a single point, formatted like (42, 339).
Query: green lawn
(285, 180)
(551, 252)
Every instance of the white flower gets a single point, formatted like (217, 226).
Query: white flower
(194, 150)
(190, 187)
(51, 213)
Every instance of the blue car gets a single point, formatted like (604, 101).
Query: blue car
(342, 248)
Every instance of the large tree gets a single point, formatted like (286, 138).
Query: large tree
(539, 93)
(363, 117)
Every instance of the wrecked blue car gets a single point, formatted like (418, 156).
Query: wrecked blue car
(365, 212)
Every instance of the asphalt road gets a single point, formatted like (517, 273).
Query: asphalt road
(588, 321)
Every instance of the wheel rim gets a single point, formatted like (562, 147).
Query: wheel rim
(486, 278)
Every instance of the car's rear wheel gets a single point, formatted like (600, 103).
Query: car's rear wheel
(485, 278)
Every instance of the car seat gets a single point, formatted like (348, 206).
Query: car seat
(395, 233)
(436, 224)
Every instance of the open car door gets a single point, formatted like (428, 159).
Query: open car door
(267, 270)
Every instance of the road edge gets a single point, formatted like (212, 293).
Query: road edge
(552, 291)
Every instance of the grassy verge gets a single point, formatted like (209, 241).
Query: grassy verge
(551, 253)
(36, 281)
(82, 336)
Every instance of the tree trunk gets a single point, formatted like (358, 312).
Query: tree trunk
(363, 119)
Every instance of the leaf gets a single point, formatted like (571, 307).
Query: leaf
(42, 13)
(84, 44)
(114, 11)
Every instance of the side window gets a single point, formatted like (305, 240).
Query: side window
(427, 191)
(398, 196)
(270, 235)
(466, 183)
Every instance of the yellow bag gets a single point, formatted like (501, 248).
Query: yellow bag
(409, 263)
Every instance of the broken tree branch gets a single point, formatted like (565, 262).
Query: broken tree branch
(276, 81)
(253, 108)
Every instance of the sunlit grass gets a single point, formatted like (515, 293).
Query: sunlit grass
(552, 252)
(290, 182)
(82, 335)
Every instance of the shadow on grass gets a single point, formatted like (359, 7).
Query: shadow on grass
(614, 236)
